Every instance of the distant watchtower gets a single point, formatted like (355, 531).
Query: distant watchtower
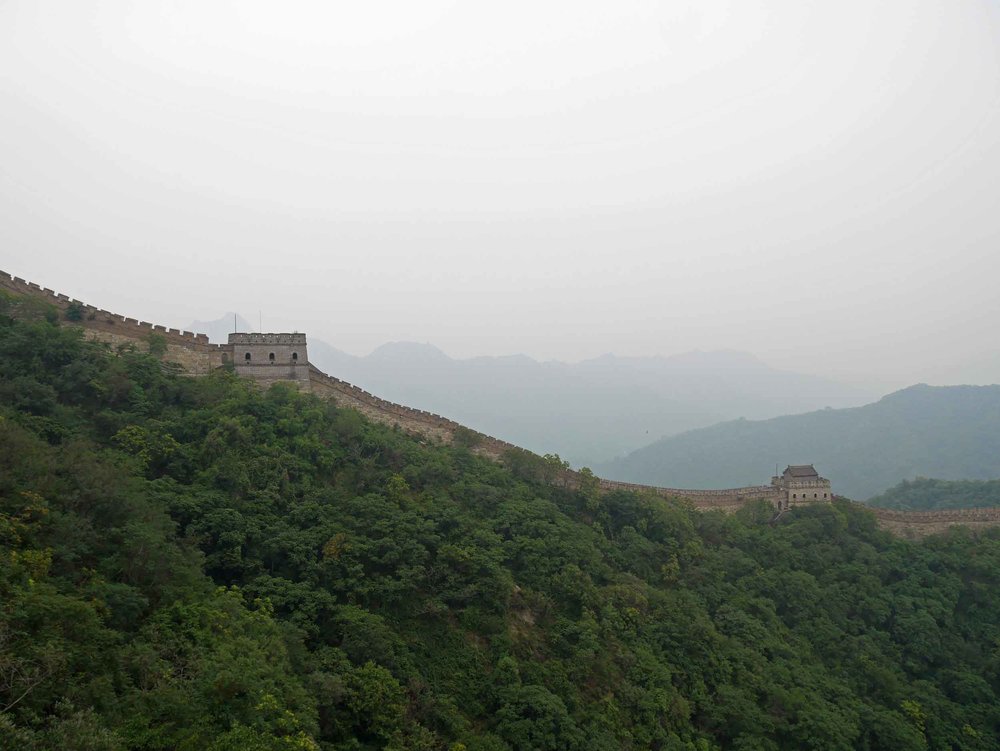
(270, 358)
(800, 484)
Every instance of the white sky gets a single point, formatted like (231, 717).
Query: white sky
(815, 182)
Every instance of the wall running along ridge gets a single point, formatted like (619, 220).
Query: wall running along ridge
(197, 356)
(192, 351)
(917, 524)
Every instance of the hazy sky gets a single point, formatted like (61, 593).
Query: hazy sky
(815, 182)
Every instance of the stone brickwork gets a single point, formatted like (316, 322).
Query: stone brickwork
(726, 499)
(917, 524)
(271, 358)
(192, 351)
(197, 356)
(800, 485)
(425, 424)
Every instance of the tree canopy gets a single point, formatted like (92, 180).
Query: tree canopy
(191, 564)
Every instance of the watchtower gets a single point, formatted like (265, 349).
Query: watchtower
(270, 358)
(800, 484)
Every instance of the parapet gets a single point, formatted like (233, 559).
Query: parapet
(97, 319)
(251, 339)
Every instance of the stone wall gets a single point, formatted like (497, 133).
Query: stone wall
(728, 498)
(198, 356)
(917, 524)
(271, 358)
(192, 351)
(426, 424)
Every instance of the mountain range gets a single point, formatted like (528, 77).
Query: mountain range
(947, 432)
(586, 412)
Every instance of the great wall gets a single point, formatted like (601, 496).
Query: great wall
(197, 356)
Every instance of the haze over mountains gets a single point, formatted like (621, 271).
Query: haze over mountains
(587, 412)
(694, 420)
(946, 432)
(218, 330)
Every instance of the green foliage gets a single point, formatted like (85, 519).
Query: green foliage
(75, 311)
(466, 438)
(27, 308)
(192, 564)
(924, 494)
(157, 344)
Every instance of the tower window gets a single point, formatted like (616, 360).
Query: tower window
(247, 357)
(271, 357)
(295, 356)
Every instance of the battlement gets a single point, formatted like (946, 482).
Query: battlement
(192, 351)
(258, 339)
(917, 524)
(91, 317)
(700, 498)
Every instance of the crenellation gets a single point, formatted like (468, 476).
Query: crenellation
(252, 339)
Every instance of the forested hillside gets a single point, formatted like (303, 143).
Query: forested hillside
(927, 494)
(951, 432)
(189, 564)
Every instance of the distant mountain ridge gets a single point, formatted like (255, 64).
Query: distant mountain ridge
(949, 432)
(588, 411)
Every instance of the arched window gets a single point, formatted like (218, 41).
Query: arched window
(270, 357)
(794, 496)
(295, 356)
(815, 496)
(247, 357)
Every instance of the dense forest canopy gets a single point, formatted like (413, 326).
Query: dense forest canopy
(192, 564)
(927, 494)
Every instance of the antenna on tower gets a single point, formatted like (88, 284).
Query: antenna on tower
(235, 329)
(260, 321)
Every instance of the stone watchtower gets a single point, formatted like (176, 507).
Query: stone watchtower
(270, 358)
(799, 485)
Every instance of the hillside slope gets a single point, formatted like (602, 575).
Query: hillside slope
(188, 563)
(951, 432)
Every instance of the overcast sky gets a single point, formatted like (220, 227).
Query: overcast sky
(815, 182)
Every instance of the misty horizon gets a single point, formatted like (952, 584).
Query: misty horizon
(812, 184)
